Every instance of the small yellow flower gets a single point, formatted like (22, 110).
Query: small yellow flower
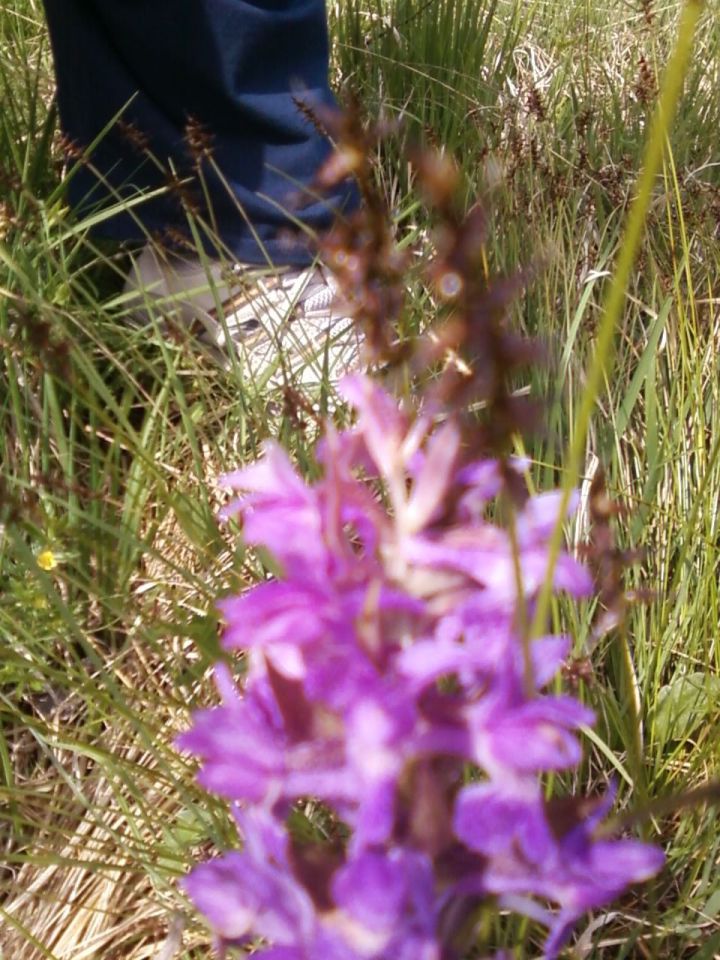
(47, 560)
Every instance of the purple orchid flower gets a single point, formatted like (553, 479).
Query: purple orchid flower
(384, 660)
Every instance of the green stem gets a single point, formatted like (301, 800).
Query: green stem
(670, 94)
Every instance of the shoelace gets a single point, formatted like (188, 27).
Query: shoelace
(312, 292)
(303, 294)
(320, 300)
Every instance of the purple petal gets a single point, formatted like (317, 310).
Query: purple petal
(608, 867)
(241, 752)
(483, 479)
(390, 896)
(279, 511)
(253, 891)
(484, 554)
(428, 660)
(382, 425)
(534, 737)
(375, 817)
(433, 481)
(274, 612)
(281, 953)
(592, 881)
(540, 515)
(372, 889)
(272, 476)
(569, 575)
(294, 538)
(495, 821)
(218, 891)
(548, 655)
(559, 933)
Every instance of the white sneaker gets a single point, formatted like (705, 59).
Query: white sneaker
(281, 325)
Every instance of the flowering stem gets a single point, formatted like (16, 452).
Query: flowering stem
(670, 94)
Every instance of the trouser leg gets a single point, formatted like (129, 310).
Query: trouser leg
(234, 68)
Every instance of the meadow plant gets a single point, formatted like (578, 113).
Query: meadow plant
(392, 676)
(109, 552)
(386, 667)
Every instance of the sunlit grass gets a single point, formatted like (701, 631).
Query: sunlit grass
(110, 441)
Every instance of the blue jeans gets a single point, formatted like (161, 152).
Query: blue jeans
(233, 69)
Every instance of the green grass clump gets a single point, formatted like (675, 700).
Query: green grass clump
(110, 441)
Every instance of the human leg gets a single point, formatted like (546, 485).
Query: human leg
(235, 68)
